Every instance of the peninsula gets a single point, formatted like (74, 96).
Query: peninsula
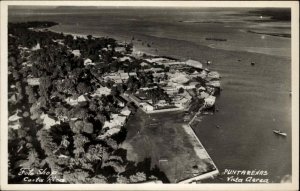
(93, 110)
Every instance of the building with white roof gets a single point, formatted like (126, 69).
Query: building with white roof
(14, 117)
(124, 76)
(154, 70)
(194, 63)
(146, 106)
(144, 64)
(213, 75)
(101, 91)
(120, 49)
(72, 101)
(49, 121)
(125, 111)
(124, 58)
(132, 74)
(36, 47)
(178, 77)
(215, 84)
(183, 100)
(203, 95)
(209, 101)
(15, 125)
(88, 62)
(113, 126)
(76, 53)
(33, 81)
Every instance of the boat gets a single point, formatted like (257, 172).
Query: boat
(278, 132)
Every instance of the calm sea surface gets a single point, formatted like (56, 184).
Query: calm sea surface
(255, 99)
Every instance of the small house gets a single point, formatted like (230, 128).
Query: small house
(120, 101)
(76, 101)
(120, 49)
(146, 107)
(49, 121)
(124, 58)
(101, 91)
(76, 53)
(125, 111)
(33, 81)
(14, 117)
(194, 63)
(213, 75)
(36, 47)
(88, 62)
(209, 101)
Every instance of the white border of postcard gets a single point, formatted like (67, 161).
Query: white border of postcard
(294, 5)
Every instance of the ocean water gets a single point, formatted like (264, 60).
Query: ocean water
(255, 99)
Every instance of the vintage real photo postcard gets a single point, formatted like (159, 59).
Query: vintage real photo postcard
(149, 95)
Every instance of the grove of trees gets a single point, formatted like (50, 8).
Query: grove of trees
(71, 147)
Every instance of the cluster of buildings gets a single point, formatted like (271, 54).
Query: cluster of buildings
(182, 81)
(177, 81)
(115, 124)
(118, 77)
(180, 84)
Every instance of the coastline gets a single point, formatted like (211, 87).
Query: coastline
(198, 147)
(241, 88)
(136, 47)
(158, 42)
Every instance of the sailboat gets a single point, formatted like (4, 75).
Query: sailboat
(278, 132)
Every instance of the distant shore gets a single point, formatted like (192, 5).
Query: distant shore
(171, 47)
(271, 34)
(138, 47)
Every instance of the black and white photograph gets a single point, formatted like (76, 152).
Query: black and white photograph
(197, 94)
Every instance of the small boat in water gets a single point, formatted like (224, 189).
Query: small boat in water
(278, 132)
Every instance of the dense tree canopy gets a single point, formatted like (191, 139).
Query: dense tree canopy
(53, 133)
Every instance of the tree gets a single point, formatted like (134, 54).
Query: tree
(66, 86)
(21, 133)
(101, 117)
(76, 126)
(16, 75)
(112, 143)
(79, 142)
(181, 90)
(31, 95)
(116, 165)
(12, 134)
(122, 180)
(32, 161)
(96, 153)
(88, 127)
(83, 88)
(61, 112)
(98, 179)
(89, 37)
(35, 111)
(45, 84)
(20, 91)
(138, 177)
(78, 176)
(46, 142)
(129, 47)
(93, 106)
(43, 102)
(79, 112)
